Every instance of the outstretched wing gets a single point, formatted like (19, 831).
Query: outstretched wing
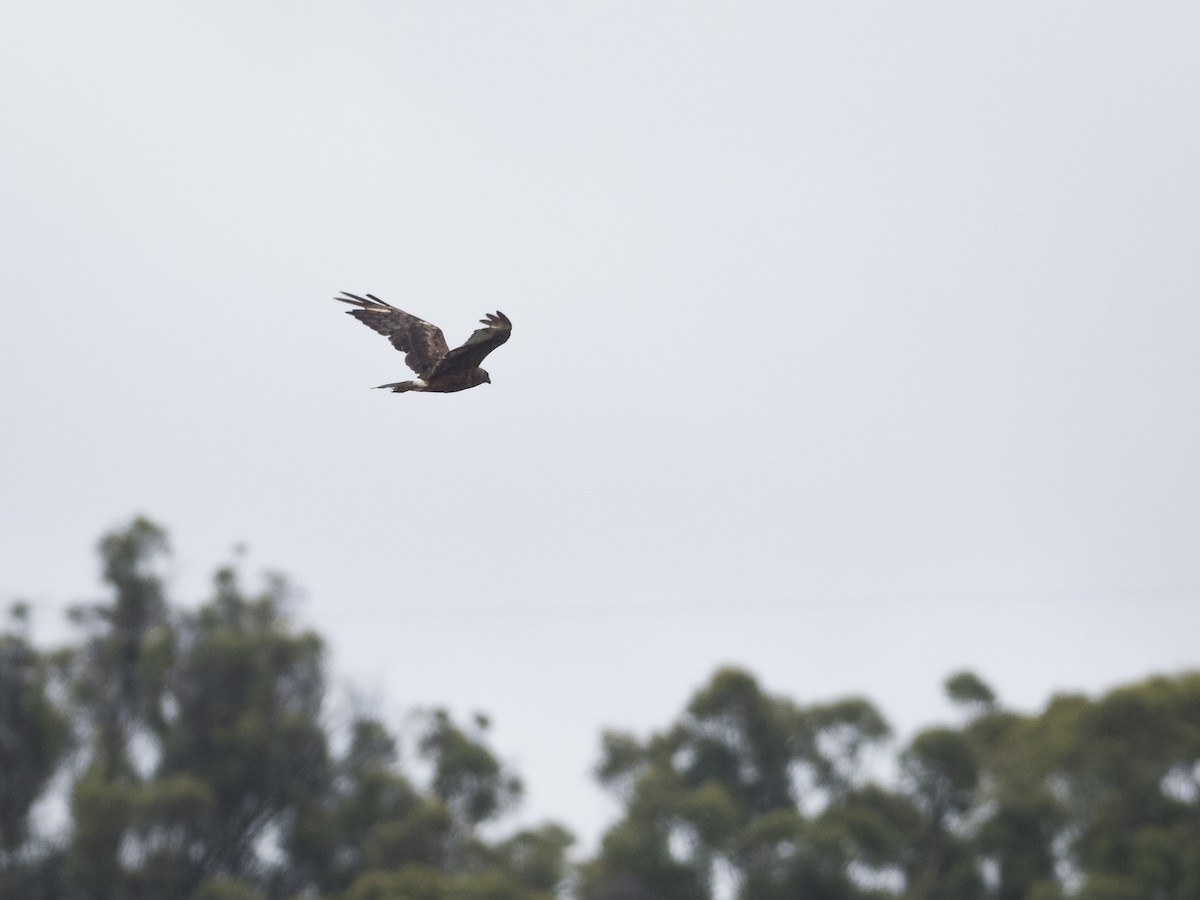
(495, 332)
(422, 344)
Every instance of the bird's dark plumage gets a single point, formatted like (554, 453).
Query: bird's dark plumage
(439, 369)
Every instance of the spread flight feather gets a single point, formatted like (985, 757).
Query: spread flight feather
(440, 369)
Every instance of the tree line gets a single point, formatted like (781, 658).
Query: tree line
(188, 754)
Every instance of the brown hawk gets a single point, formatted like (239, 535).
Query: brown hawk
(439, 369)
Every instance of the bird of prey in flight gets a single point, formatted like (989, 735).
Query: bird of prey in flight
(439, 369)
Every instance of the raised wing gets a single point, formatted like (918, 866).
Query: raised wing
(495, 332)
(422, 344)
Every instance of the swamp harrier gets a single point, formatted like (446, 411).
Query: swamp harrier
(439, 369)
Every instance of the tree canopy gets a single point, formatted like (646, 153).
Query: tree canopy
(195, 760)
(191, 752)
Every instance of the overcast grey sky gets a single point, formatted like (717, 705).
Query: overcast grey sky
(853, 343)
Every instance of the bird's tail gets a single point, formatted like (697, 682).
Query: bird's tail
(399, 387)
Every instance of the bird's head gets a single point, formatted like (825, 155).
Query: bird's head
(481, 376)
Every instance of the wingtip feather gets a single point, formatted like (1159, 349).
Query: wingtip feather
(368, 302)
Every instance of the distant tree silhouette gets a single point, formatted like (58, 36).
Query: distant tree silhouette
(191, 750)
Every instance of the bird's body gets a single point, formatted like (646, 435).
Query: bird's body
(439, 369)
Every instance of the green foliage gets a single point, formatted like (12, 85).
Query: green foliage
(34, 733)
(1100, 797)
(100, 812)
(943, 771)
(537, 856)
(722, 790)
(205, 767)
(467, 777)
(967, 689)
(223, 888)
(417, 882)
(191, 750)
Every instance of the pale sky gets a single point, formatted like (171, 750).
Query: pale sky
(853, 343)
